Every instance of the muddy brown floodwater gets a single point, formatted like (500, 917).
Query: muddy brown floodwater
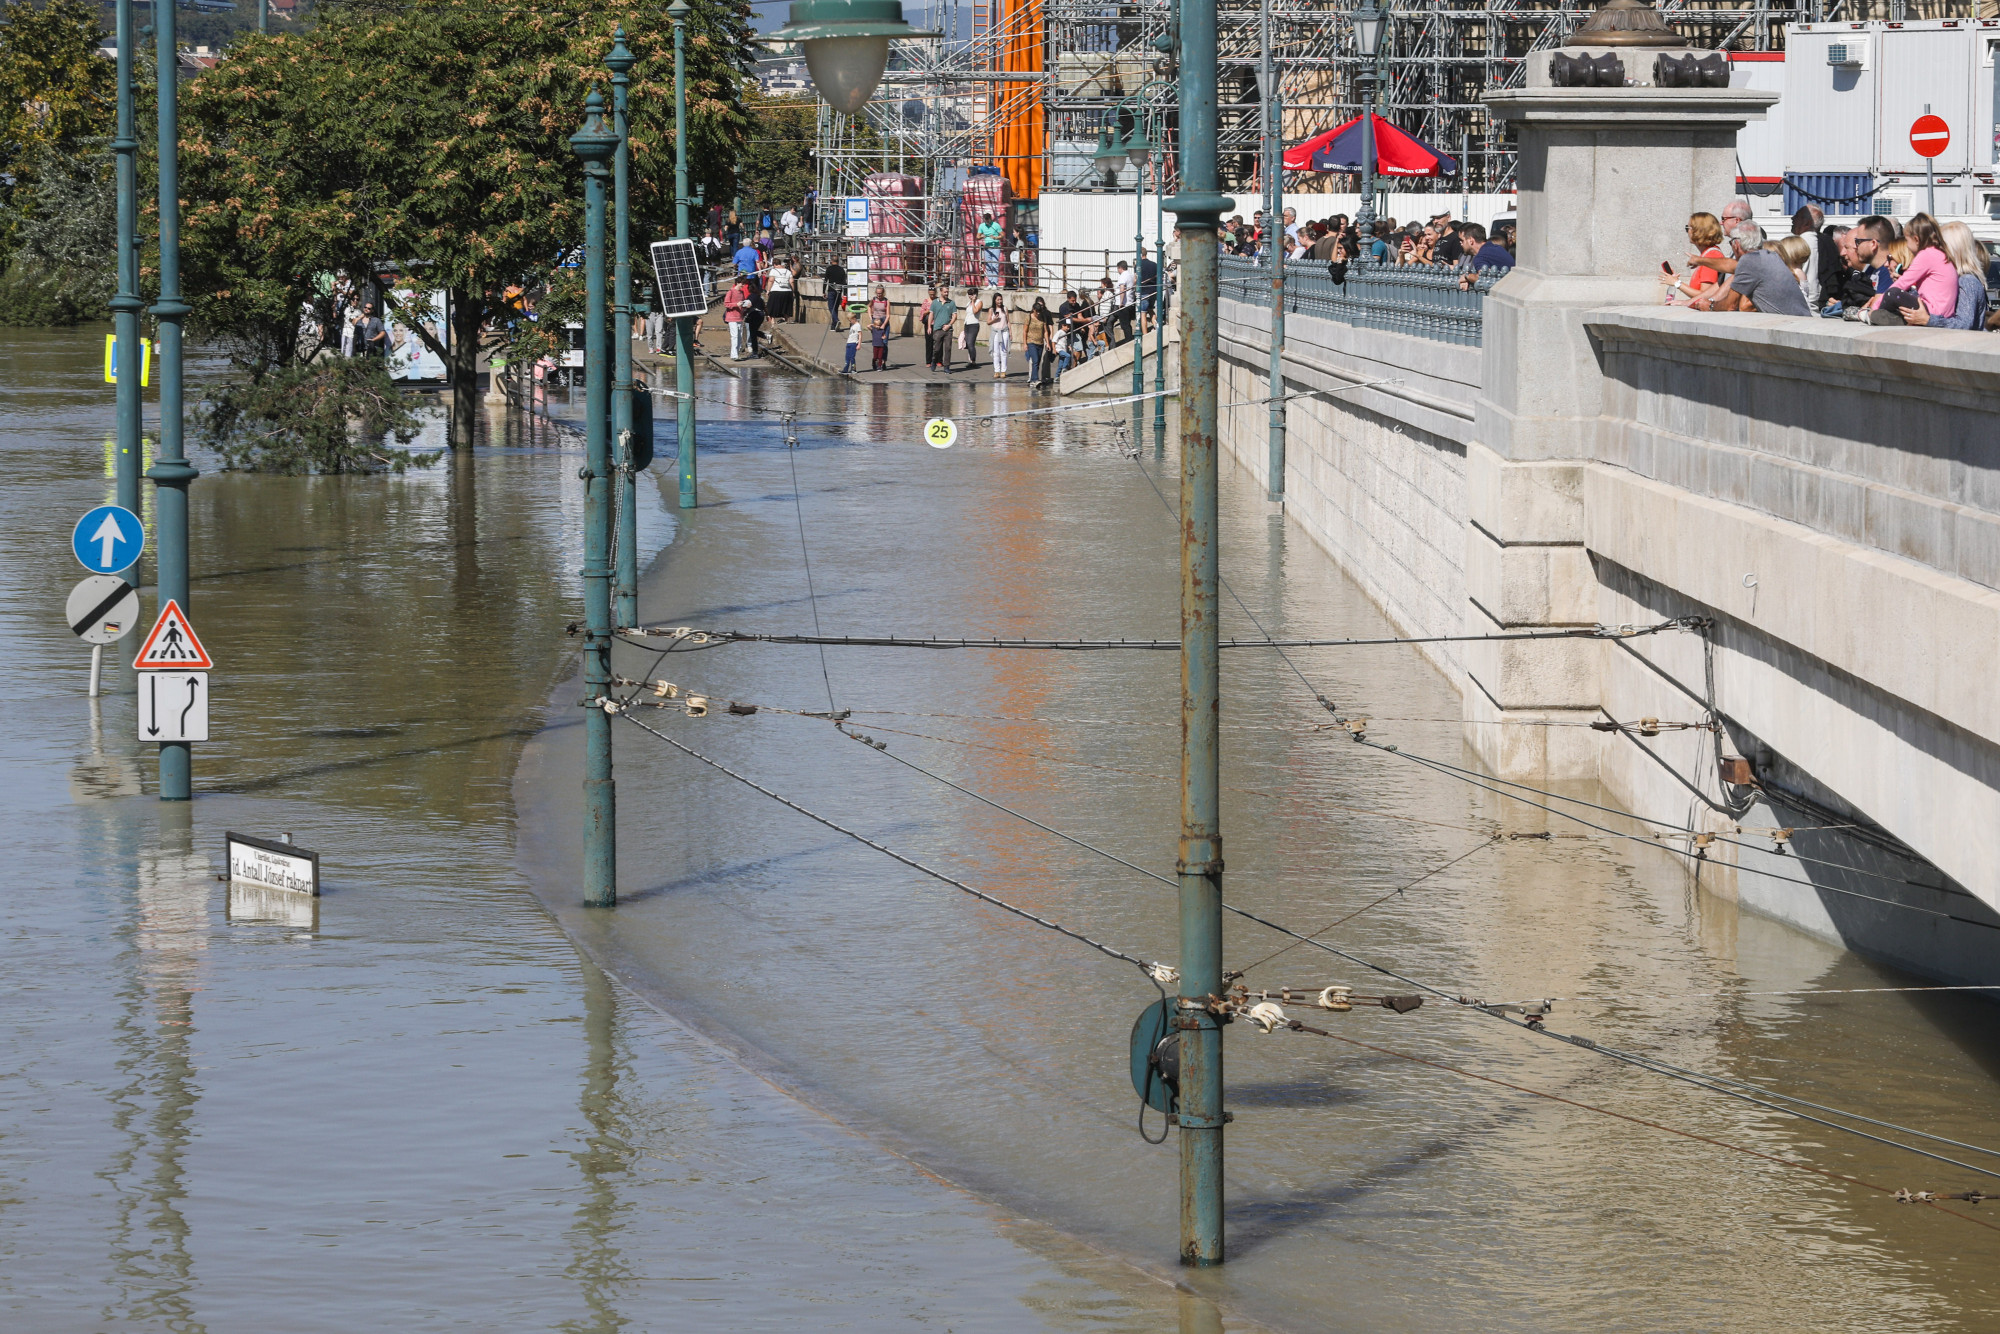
(417, 1108)
(1368, 1191)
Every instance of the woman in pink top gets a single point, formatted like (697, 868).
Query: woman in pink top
(1931, 271)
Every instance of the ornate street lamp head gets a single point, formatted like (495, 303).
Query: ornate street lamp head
(1368, 24)
(846, 44)
(1110, 155)
(1138, 147)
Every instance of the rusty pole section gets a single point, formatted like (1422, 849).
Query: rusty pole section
(1199, 206)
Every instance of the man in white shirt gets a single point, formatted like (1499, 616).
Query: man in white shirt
(790, 223)
(1125, 290)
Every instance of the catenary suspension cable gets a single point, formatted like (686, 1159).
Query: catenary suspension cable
(1723, 1085)
(1109, 951)
(805, 556)
(1656, 1125)
(1147, 645)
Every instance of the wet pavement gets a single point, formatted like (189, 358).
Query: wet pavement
(414, 1106)
(1368, 1191)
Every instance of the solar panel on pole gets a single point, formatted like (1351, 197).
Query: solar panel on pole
(682, 285)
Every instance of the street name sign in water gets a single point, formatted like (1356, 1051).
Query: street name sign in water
(173, 706)
(102, 609)
(173, 645)
(108, 539)
(272, 864)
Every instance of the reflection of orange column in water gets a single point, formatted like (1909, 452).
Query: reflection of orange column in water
(1010, 549)
(1020, 133)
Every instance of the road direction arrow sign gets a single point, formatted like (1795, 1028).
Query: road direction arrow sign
(173, 706)
(173, 644)
(108, 539)
(102, 609)
(1930, 136)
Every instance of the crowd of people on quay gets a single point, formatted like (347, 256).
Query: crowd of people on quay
(1873, 270)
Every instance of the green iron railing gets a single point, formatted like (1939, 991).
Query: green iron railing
(1414, 299)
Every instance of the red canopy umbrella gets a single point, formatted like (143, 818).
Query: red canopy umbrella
(1396, 153)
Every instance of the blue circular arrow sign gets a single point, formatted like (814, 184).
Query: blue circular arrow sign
(108, 539)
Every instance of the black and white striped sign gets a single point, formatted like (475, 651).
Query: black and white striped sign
(102, 609)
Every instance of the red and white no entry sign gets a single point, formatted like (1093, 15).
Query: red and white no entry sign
(1930, 136)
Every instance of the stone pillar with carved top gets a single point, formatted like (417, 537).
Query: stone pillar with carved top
(1622, 135)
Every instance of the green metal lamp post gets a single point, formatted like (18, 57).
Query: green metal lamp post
(625, 489)
(1368, 24)
(126, 305)
(1199, 208)
(678, 11)
(596, 145)
(1272, 78)
(1139, 149)
(170, 471)
(1165, 44)
(1109, 157)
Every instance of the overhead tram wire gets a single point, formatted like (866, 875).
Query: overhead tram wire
(1481, 780)
(1724, 1085)
(1153, 972)
(717, 637)
(1477, 780)
(1656, 1125)
(1721, 1084)
(812, 596)
(990, 899)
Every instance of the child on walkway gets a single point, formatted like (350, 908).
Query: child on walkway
(853, 344)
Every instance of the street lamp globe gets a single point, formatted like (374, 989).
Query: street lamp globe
(1138, 147)
(846, 45)
(1109, 156)
(1368, 24)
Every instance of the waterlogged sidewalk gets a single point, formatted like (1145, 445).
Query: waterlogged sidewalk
(412, 1105)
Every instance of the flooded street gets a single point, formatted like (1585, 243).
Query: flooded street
(420, 1108)
(1368, 1190)
(790, 1082)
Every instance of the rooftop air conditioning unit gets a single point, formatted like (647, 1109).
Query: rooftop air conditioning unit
(1849, 53)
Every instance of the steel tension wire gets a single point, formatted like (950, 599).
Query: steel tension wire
(1478, 781)
(1900, 1196)
(911, 862)
(1155, 645)
(812, 596)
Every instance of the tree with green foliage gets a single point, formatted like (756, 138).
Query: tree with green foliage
(430, 139)
(777, 167)
(326, 416)
(58, 98)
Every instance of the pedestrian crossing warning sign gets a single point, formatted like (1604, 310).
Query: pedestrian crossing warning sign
(173, 645)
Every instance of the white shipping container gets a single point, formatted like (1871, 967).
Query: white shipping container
(1829, 108)
(1760, 145)
(1923, 69)
(1852, 91)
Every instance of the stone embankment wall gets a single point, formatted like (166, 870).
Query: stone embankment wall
(1375, 472)
(1828, 494)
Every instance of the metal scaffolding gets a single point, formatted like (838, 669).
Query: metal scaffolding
(1040, 79)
